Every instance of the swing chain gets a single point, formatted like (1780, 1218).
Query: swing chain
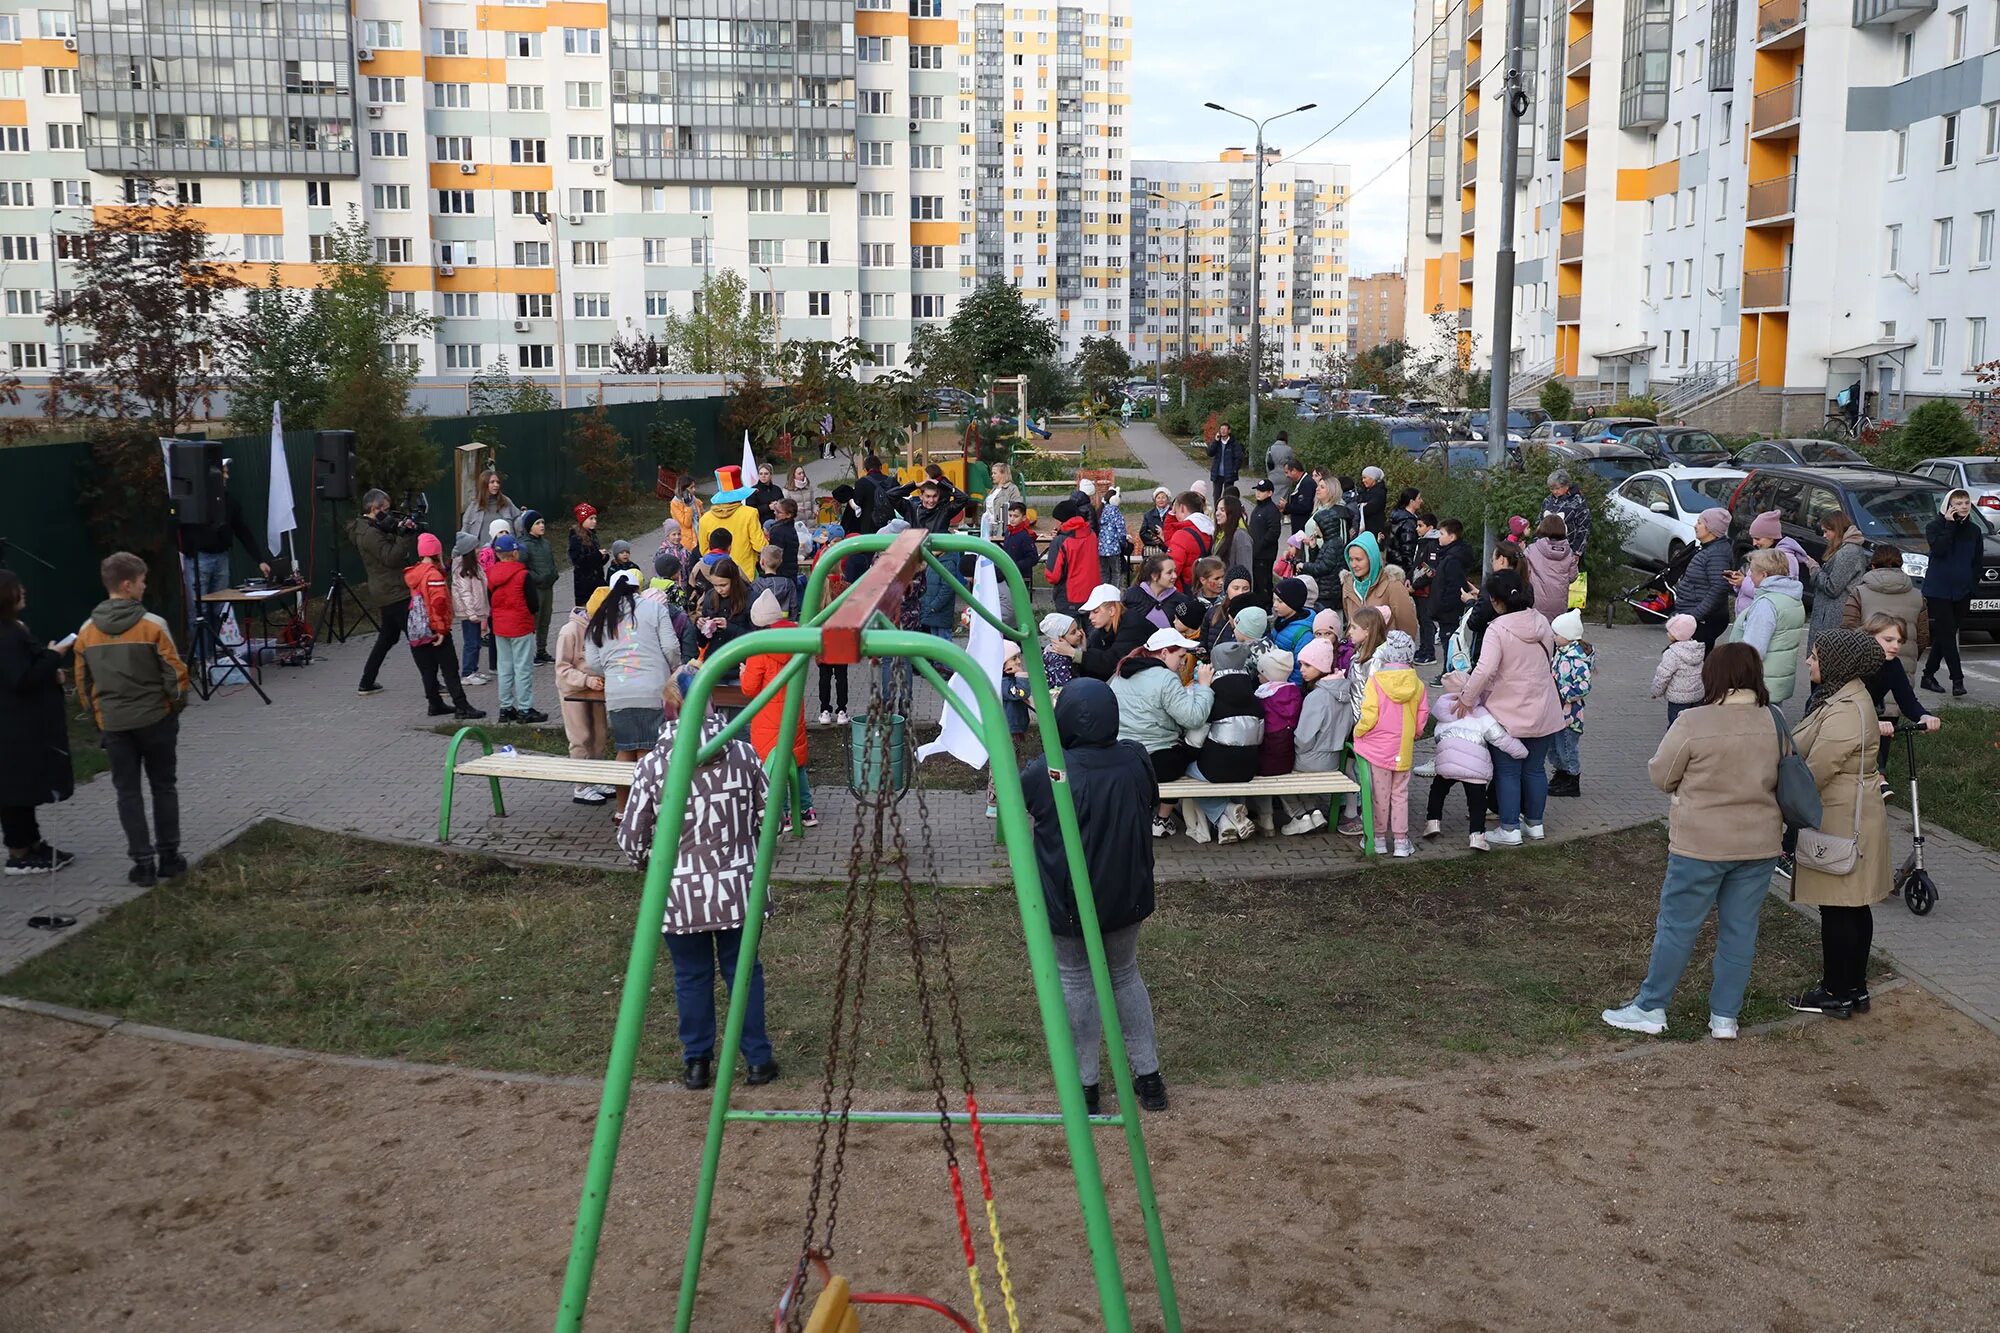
(944, 942)
(924, 1007)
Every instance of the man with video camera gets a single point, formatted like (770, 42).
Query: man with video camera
(387, 540)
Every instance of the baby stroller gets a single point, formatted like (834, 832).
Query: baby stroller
(1912, 881)
(1653, 599)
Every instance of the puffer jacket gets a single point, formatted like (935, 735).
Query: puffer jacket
(1844, 565)
(1677, 678)
(1551, 569)
(469, 600)
(1798, 564)
(430, 584)
(1704, 587)
(1890, 592)
(1392, 716)
(1512, 677)
(716, 857)
(1282, 702)
(636, 661)
(759, 670)
(1154, 708)
(1075, 570)
(1235, 729)
(1462, 736)
(1324, 723)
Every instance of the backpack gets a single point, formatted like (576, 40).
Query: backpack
(417, 625)
(1458, 648)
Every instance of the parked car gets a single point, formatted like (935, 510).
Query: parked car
(1797, 453)
(1678, 446)
(1421, 407)
(1981, 476)
(1660, 505)
(1608, 460)
(1612, 428)
(1519, 424)
(954, 401)
(1469, 459)
(1893, 507)
(1551, 432)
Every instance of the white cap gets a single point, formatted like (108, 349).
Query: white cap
(1102, 595)
(1168, 638)
(1371, 473)
(1161, 490)
(630, 576)
(1055, 624)
(1087, 486)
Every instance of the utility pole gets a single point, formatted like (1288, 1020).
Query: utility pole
(1512, 109)
(1257, 265)
(55, 278)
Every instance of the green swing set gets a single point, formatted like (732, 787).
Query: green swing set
(858, 626)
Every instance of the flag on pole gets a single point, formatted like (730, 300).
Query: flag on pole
(749, 462)
(280, 519)
(988, 647)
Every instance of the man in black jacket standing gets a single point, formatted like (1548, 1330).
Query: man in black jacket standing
(1298, 502)
(1225, 461)
(872, 486)
(208, 553)
(1266, 533)
(1401, 548)
(1112, 786)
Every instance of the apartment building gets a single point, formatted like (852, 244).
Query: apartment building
(546, 177)
(1754, 203)
(1376, 307)
(1193, 226)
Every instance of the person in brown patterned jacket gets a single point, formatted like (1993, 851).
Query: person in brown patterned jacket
(710, 893)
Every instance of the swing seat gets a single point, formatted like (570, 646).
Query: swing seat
(837, 1309)
(834, 1311)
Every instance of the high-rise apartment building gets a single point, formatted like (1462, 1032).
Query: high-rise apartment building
(1375, 310)
(1743, 209)
(1193, 227)
(544, 177)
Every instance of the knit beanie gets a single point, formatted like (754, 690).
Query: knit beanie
(497, 527)
(428, 544)
(530, 517)
(1328, 619)
(621, 548)
(1292, 593)
(1766, 525)
(1680, 628)
(1568, 625)
(1231, 656)
(1276, 665)
(1235, 572)
(465, 545)
(1318, 655)
(1252, 623)
(1716, 520)
(666, 565)
(766, 610)
(1055, 624)
(1399, 649)
(1311, 585)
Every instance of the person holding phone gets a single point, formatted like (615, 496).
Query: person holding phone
(34, 738)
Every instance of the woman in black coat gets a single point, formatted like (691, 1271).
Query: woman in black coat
(34, 740)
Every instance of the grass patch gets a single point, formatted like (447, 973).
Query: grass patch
(1959, 769)
(86, 745)
(344, 945)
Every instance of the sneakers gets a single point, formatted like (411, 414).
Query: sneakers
(1931, 683)
(695, 1074)
(532, 715)
(367, 688)
(1162, 827)
(1631, 1018)
(1720, 1028)
(1859, 1001)
(1504, 837)
(606, 792)
(476, 678)
(1305, 823)
(1784, 866)
(42, 860)
(1235, 828)
(1349, 825)
(1381, 846)
(826, 717)
(1432, 828)
(543, 659)
(587, 796)
(1152, 1090)
(811, 818)
(1820, 1000)
(759, 1075)
(1958, 690)
(1193, 820)
(1427, 769)
(1266, 824)
(1535, 832)
(467, 713)
(170, 865)
(1318, 818)
(508, 717)
(441, 709)
(1477, 842)
(1403, 849)
(1093, 1099)
(840, 717)
(143, 873)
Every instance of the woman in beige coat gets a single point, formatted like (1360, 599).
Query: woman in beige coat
(1838, 741)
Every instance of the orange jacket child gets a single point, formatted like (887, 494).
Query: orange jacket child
(758, 672)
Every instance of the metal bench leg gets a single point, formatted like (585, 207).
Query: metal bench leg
(451, 779)
(1364, 779)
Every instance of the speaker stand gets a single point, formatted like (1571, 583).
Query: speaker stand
(342, 612)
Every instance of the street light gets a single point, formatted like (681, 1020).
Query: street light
(1184, 205)
(1257, 254)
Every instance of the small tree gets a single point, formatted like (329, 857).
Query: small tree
(672, 444)
(276, 354)
(940, 360)
(603, 457)
(1557, 400)
(1938, 429)
(1102, 366)
(367, 388)
(1001, 333)
(496, 391)
(726, 334)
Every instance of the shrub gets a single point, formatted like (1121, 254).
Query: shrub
(1938, 429)
(1643, 405)
(1557, 400)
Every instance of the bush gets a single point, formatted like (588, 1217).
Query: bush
(1643, 405)
(1557, 400)
(1938, 429)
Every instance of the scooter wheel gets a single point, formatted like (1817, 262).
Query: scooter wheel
(1919, 894)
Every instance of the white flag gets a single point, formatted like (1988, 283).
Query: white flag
(278, 508)
(988, 647)
(749, 462)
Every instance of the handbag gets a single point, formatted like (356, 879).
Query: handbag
(1828, 854)
(1798, 794)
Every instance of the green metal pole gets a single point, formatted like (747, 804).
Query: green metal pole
(914, 1117)
(451, 779)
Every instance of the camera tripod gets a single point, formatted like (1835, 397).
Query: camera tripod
(341, 602)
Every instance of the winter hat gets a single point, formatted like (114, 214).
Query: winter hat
(428, 544)
(1716, 520)
(498, 526)
(505, 543)
(766, 610)
(1399, 649)
(583, 511)
(1312, 589)
(1252, 623)
(1055, 624)
(1161, 491)
(1517, 528)
(1327, 619)
(1844, 655)
(1235, 572)
(1086, 486)
(465, 545)
(896, 524)
(1766, 525)
(666, 565)
(596, 599)
(1200, 487)
(1568, 625)
(620, 548)
(530, 517)
(1318, 655)
(1292, 592)
(671, 529)
(1231, 656)
(1680, 628)
(1276, 665)
(1371, 474)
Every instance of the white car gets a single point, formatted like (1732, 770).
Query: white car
(1660, 506)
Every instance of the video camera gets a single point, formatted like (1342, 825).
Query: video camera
(410, 515)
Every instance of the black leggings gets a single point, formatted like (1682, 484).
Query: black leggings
(1475, 802)
(19, 829)
(1947, 616)
(1845, 936)
(832, 687)
(436, 659)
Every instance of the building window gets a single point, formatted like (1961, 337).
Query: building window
(28, 356)
(653, 250)
(930, 108)
(1906, 54)
(1975, 343)
(871, 50)
(72, 194)
(1957, 36)
(818, 304)
(458, 305)
(385, 92)
(24, 301)
(586, 148)
(767, 252)
(874, 102)
(927, 156)
(767, 199)
(926, 57)
(14, 139)
(883, 354)
(388, 143)
(586, 201)
(701, 250)
(1899, 154)
(1893, 246)
(454, 148)
(1934, 347)
(451, 96)
(382, 34)
(450, 42)
(534, 305)
(528, 203)
(393, 249)
(658, 305)
(265, 249)
(589, 254)
(816, 201)
(64, 137)
(927, 256)
(534, 356)
(583, 96)
(768, 303)
(819, 252)
(927, 208)
(878, 153)
(524, 97)
(874, 254)
(59, 82)
(878, 305)
(591, 305)
(1940, 245)
(590, 356)
(927, 305)
(461, 356)
(531, 254)
(1982, 249)
(17, 194)
(583, 41)
(528, 151)
(455, 202)
(1948, 153)
(701, 198)
(878, 204)
(391, 198)
(524, 46)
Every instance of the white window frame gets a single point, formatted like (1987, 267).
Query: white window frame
(1935, 340)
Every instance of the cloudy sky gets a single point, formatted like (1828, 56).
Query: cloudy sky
(1262, 58)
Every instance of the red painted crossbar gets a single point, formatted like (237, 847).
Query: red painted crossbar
(880, 589)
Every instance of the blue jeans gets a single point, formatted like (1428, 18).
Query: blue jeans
(206, 574)
(1521, 786)
(1214, 808)
(1675, 710)
(468, 657)
(1568, 750)
(1735, 889)
(798, 794)
(695, 961)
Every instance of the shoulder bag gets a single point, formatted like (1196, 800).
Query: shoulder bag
(1838, 856)
(1798, 794)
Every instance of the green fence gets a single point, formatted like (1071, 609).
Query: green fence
(48, 543)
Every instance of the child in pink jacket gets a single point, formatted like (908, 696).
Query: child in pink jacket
(1393, 714)
(1281, 700)
(1462, 737)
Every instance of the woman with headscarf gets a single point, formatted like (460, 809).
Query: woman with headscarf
(1837, 740)
(1362, 584)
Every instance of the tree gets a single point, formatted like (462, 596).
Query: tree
(275, 354)
(672, 444)
(940, 360)
(145, 294)
(603, 457)
(367, 388)
(1442, 368)
(496, 391)
(1557, 400)
(1001, 335)
(1102, 366)
(1049, 387)
(120, 490)
(726, 334)
(637, 352)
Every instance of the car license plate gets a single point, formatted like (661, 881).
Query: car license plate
(1986, 603)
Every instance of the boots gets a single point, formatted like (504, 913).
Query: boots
(144, 872)
(1562, 783)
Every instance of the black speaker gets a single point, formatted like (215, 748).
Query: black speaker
(333, 464)
(194, 483)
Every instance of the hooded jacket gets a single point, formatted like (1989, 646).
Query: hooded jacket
(1462, 736)
(1188, 540)
(1154, 708)
(34, 734)
(536, 553)
(759, 670)
(1020, 547)
(384, 557)
(717, 854)
(127, 671)
(1075, 570)
(1282, 702)
(1111, 784)
(1890, 592)
(1552, 565)
(1844, 565)
(1775, 625)
(636, 661)
(1956, 545)
(1324, 723)
(1403, 539)
(1513, 677)
(1454, 564)
(745, 528)
(1235, 727)
(1677, 678)
(1798, 564)
(469, 598)
(1704, 586)
(1573, 665)
(1392, 715)
(430, 584)
(1392, 598)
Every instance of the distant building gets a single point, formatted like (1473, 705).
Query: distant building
(1375, 311)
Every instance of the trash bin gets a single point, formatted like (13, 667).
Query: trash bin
(879, 761)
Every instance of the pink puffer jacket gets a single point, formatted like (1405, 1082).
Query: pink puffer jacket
(1462, 737)
(1551, 569)
(1514, 677)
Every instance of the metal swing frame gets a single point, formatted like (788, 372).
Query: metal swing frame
(854, 629)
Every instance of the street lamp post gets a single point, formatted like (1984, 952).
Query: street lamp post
(1257, 258)
(55, 278)
(1183, 205)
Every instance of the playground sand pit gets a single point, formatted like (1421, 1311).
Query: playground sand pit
(1835, 1174)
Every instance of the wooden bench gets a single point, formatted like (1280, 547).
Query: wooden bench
(1333, 782)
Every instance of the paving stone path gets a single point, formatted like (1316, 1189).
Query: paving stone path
(323, 758)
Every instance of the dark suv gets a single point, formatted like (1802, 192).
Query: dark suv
(1888, 507)
(1677, 446)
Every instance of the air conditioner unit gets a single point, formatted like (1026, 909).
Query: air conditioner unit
(374, 113)
(69, 43)
(572, 220)
(468, 169)
(364, 55)
(522, 326)
(913, 127)
(599, 169)
(446, 270)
